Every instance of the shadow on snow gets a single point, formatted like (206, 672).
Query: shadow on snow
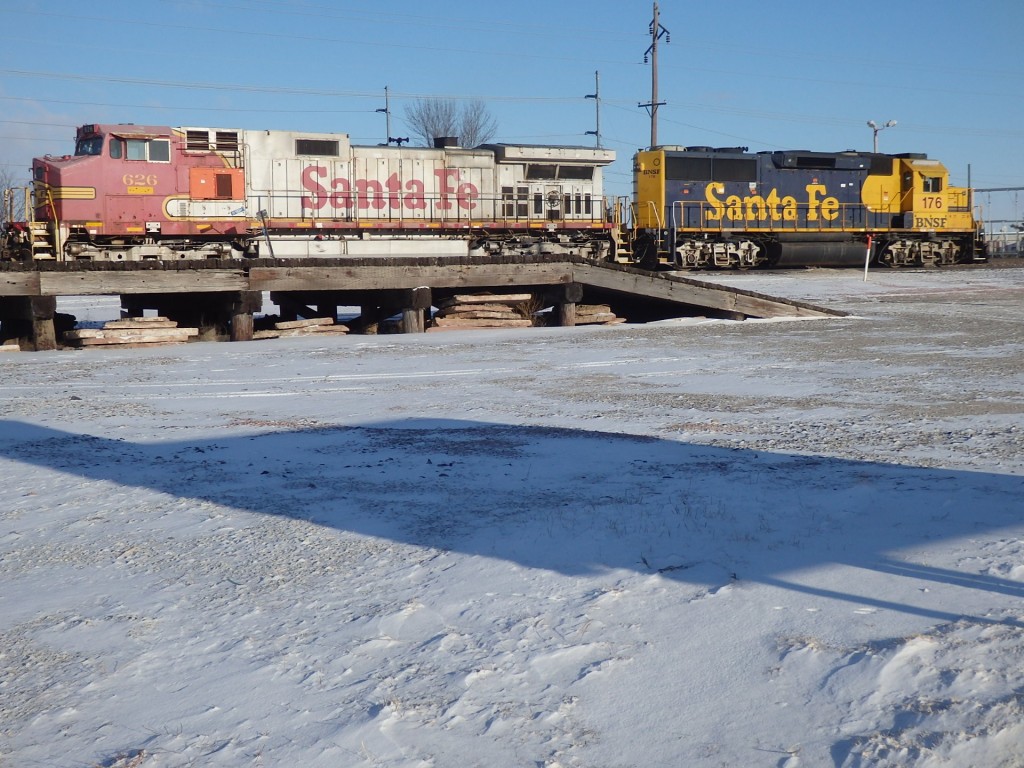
(573, 501)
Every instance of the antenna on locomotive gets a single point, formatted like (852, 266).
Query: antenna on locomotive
(387, 116)
(596, 96)
(657, 32)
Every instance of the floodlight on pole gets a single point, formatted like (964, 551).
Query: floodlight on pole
(876, 128)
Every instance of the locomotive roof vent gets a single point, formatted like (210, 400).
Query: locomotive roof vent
(446, 142)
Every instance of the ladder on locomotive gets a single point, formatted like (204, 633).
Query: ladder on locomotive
(622, 231)
(41, 240)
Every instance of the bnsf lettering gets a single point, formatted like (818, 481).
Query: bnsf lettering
(929, 222)
(371, 194)
(770, 206)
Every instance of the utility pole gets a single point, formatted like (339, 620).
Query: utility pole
(657, 32)
(387, 115)
(596, 96)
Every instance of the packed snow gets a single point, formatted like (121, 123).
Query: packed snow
(690, 543)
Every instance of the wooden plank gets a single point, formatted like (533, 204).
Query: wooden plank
(99, 283)
(285, 325)
(454, 322)
(595, 318)
(104, 344)
(313, 330)
(386, 277)
(141, 322)
(684, 291)
(481, 314)
(19, 283)
(455, 309)
(487, 298)
(114, 335)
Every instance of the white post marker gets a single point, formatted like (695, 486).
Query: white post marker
(867, 259)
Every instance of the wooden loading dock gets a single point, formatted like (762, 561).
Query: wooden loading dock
(221, 297)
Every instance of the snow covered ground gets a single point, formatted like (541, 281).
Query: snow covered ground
(691, 543)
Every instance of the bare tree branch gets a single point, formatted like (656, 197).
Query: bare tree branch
(478, 124)
(431, 119)
(13, 198)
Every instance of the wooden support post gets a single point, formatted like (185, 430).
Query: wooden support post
(43, 308)
(565, 298)
(29, 322)
(242, 309)
(415, 303)
(285, 306)
(370, 316)
(412, 321)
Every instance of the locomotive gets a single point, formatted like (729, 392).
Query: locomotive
(147, 192)
(704, 207)
(136, 193)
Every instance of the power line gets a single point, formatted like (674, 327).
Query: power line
(280, 90)
(375, 43)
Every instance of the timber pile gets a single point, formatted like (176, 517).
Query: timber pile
(312, 326)
(131, 332)
(596, 314)
(482, 310)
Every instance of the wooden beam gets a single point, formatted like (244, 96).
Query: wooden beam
(686, 291)
(385, 276)
(100, 283)
(19, 283)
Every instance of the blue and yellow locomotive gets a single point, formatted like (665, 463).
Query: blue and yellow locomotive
(703, 207)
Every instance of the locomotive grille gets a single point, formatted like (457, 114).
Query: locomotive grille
(197, 141)
(227, 141)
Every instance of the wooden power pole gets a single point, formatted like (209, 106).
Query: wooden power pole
(657, 32)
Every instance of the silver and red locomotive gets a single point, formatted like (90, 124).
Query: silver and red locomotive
(135, 192)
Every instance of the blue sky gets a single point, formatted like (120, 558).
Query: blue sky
(797, 75)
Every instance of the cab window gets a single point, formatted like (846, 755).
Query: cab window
(151, 150)
(932, 184)
(90, 146)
